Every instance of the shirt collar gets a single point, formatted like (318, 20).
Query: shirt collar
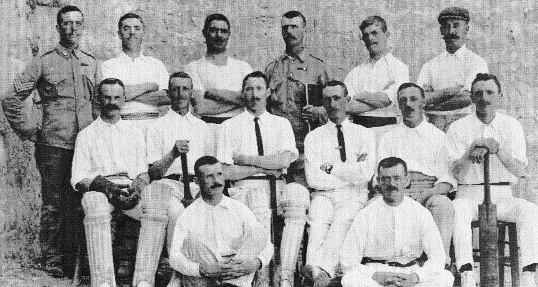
(126, 57)
(188, 116)
(301, 56)
(262, 117)
(385, 58)
(225, 203)
(102, 124)
(460, 53)
(422, 127)
(495, 123)
(332, 125)
(66, 52)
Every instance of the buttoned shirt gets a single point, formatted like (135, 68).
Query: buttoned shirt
(288, 79)
(448, 70)
(237, 136)
(423, 148)
(221, 226)
(206, 75)
(374, 77)
(163, 133)
(396, 234)
(507, 131)
(65, 80)
(134, 71)
(321, 147)
(108, 149)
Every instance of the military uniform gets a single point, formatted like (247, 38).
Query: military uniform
(288, 79)
(65, 80)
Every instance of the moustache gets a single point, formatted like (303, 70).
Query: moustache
(216, 185)
(111, 107)
(391, 188)
(451, 37)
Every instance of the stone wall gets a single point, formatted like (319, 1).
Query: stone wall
(503, 32)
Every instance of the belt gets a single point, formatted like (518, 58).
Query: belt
(178, 177)
(214, 120)
(366, 260)
(493, 183)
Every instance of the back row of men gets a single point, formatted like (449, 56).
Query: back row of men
(112, 154)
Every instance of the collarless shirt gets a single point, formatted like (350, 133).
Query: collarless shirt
(423, 148)
(221, 226)
(107, 149)
(373, 77)
(238, 136)
(396, 234)
(163, 133)
(206, 75)
(507, 131)
(321, 147)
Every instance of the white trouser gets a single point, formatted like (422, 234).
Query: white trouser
(329, 217)
(520, 211)
(361, 276)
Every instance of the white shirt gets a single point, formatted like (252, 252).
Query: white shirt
(423, 148)
(397, 234)
(107, 149)
(238, 136)
(448, 70)
(373, 77)
(507, 131)
(321, 147)
(136, 71)
(225, 223)
(163, 133)
(206, 75)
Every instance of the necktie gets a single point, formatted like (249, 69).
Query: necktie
(341, 143)
(258, 136)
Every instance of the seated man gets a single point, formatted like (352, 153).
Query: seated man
(177, 132)
(109, 167)
(340, 159)
(423, 147)
(469, 140)
(217, 240)
(388, 235)
(254, 146)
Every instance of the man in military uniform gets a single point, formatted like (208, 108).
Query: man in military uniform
(289, 77)
(65, 79)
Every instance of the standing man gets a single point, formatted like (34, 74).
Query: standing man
(373, 84)
(216, 77)
(218, 241)
(390, 234)
(145, 77)
(255, 146)
(447, 78)
(470, 138)
(423, 147)
(65, 78)
(289, 76)
(340, 160)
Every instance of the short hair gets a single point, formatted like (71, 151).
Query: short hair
(411, 85)
(391, 162)
(182, 75)
(205, 160)
(371, 20)
(65, 9)
(256, 74)
(129, 16)
(486, 77)
(110, 81)
(292, 14)
(215, 17)
(335, 83)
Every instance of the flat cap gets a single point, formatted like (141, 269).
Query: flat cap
(454, 13)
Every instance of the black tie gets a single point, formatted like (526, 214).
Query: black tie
(341, 143)
(258, 136)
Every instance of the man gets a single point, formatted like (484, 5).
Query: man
(470, 138)
(447, 78)
(373, 84)
(177, 132)
(217, 240)
(388, 235)
(423, 147)
(289, 78)
(255, 146)
(65, 78)
(340, 159)
(145, 77)
(217, 77)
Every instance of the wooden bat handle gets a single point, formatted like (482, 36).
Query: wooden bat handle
(185, 178)
(487, 188)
